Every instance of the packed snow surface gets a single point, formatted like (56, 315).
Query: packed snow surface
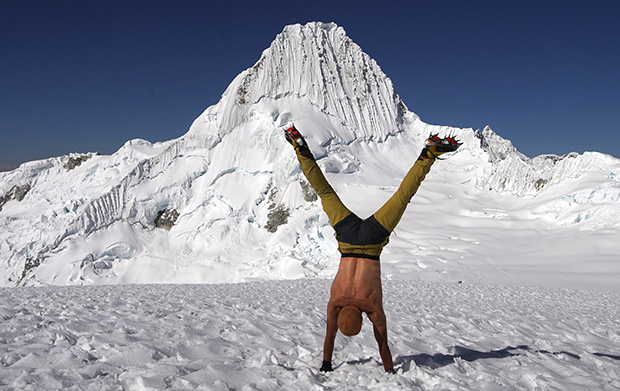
(269, 336)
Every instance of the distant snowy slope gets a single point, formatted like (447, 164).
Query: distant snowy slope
(227, 202)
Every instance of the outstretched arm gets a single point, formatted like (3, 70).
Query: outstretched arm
(330, 337)
(380, 328)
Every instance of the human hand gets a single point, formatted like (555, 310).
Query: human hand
(327, 366)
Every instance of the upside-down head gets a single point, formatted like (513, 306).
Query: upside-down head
(350, 320)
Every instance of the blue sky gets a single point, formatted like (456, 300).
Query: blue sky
(80, 76)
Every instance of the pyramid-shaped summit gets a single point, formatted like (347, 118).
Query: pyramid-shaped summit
(321, 64)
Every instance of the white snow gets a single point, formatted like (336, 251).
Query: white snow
(503, 274)
(269, 336)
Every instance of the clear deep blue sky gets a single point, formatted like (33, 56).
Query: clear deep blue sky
(80, 76)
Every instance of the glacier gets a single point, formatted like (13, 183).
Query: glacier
(487, 215)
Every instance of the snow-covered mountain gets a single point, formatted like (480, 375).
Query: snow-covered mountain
(227, 201)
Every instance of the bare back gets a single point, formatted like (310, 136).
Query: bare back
(358, 283)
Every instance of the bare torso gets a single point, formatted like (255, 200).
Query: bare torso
(358, 283)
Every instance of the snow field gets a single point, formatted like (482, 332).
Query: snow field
(269, 336)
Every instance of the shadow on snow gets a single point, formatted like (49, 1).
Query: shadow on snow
(607, 355)
(441, 360)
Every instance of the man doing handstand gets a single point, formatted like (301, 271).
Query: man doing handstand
(357, 285)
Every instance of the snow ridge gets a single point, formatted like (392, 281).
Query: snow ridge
(511, 171)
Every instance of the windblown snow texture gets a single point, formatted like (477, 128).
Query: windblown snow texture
(269, 336)
(244, 212)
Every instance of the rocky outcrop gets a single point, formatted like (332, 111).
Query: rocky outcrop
(15, 193)
(76, 160)
(277, 216)
(166, 218)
